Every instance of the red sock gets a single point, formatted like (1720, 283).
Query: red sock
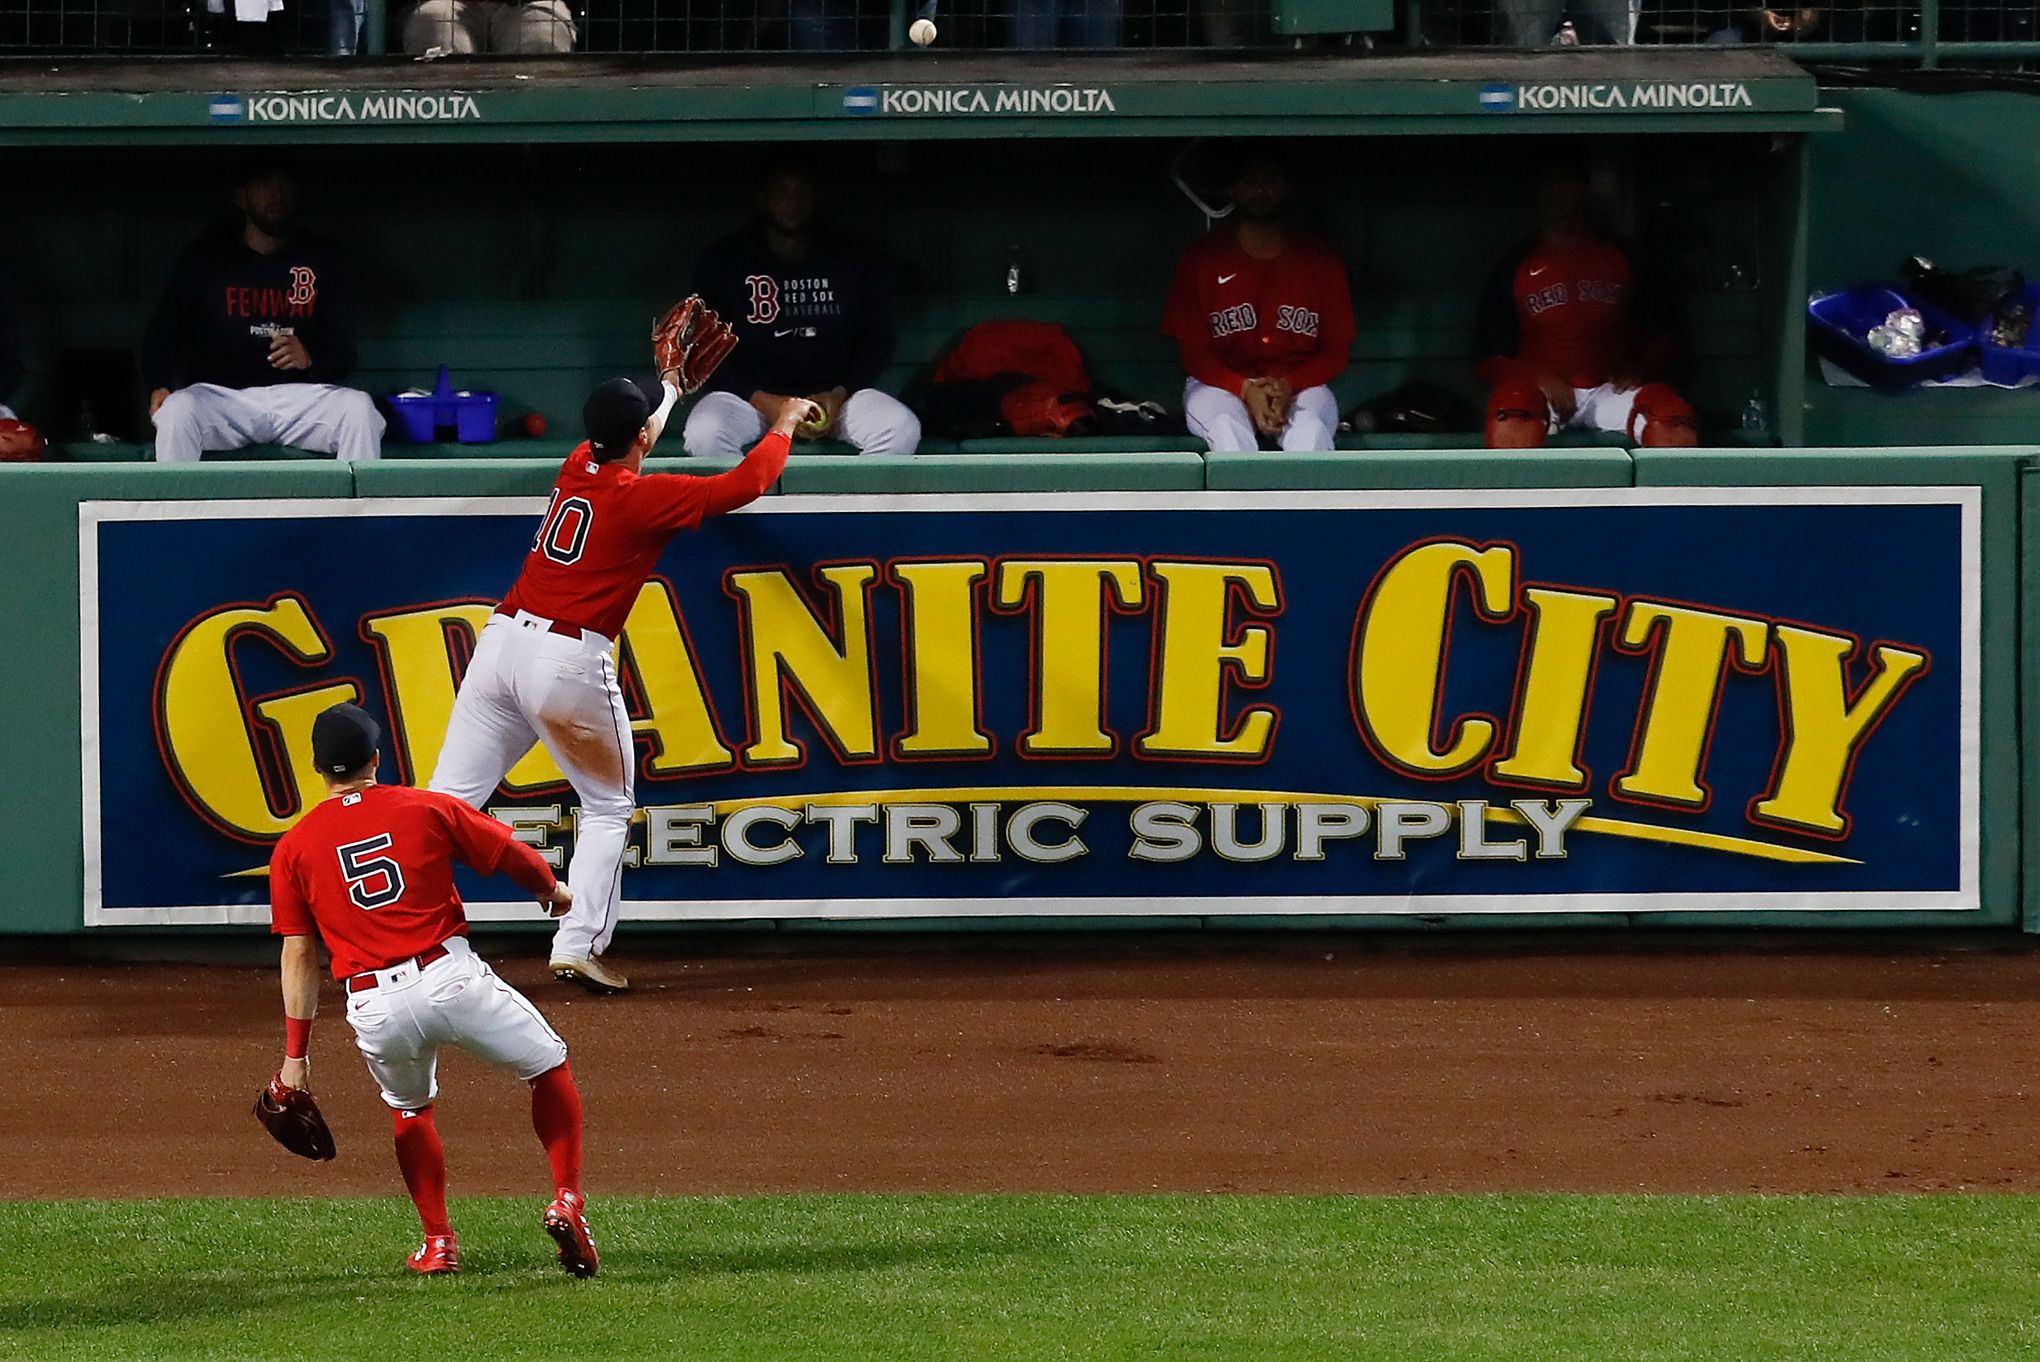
(423, 1161)
(556, 1116)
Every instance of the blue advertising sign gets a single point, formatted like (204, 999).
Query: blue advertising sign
(1623, 700)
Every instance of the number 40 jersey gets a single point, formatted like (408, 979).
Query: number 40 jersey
(371, 872)
(606, 527)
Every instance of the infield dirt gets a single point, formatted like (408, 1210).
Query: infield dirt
(1203, 1062)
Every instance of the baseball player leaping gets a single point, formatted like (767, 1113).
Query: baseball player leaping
(370, 871)
(544, 668)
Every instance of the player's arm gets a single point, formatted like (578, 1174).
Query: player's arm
(1184, 321)
(1335, 331)
(300, 1006)
(487, 845)
(679, 501)
(1497, 332)
(290, 917)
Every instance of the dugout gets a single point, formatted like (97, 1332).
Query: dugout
(502, 226)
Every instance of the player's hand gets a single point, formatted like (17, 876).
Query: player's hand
(1281, 398)
(157, 399)
(296, 1073)
(792, 413)
(1625, 382)
(288, 352)
(831, 404)
(1559, 393)
(1259, 395)
(558, 903)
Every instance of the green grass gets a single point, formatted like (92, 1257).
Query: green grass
(776, 1279)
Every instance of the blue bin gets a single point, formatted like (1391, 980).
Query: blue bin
(2007, 364)
(1838, 323)
(471, 416)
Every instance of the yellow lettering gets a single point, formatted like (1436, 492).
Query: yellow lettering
(939, 606)
(1071, 599)
(419, 667)
(252, 777)
(1824, 729)
(1693, 647)
(1551, 712)
(656, 649)
(1196, 658)
(788, 646)
(1399, 661)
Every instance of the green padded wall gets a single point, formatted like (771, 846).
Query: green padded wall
(40, 787)
(1998, 473)
(894, 473)
(1401, 468)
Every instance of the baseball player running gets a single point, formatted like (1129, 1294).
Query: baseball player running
(369, 870)
(544, 668)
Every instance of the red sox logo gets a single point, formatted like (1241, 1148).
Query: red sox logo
(764, 299)
(304, 286)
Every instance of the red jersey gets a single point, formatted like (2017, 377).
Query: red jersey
(371, 872)
(1574, 308)
(1234, 317)
(606, 527)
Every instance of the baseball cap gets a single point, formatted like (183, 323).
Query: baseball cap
(615, 412)
(344, 738)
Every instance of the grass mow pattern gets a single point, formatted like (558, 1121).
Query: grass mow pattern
(1017, 1278)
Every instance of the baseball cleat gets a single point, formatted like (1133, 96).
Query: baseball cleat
(568, 1227)
(437, 1256)
(590, 974)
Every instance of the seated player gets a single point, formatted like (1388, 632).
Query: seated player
(813, 313)
(524, 27)
(1263, 320)
(1572, 337)
(254, 335)
(370, 871)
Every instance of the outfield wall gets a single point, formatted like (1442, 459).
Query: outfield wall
(1914, 551)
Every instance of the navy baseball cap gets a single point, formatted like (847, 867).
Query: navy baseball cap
(344, 739)
(616, 412)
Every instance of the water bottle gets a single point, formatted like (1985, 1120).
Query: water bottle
(1756, 419)
(1016, 273)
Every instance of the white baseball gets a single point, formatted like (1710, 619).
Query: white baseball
(922, 32)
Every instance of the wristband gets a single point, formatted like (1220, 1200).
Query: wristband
(297, 1037)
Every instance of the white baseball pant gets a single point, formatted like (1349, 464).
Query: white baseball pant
(323, 417)
(1220, 419)
(458, 1000)
(724, 425)
(528, 684)
(464, 26)
(1602, 408)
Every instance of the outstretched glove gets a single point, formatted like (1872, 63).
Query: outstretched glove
(689, 342)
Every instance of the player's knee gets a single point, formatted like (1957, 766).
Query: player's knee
(1661, 419)
(895, 428)
(708, 433)
(1518, 416)
(356, 410)
(179, 412)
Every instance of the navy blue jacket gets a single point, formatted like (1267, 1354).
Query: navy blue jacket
(801, 329)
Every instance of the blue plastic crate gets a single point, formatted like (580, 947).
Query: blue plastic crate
(1838, 323)
(471, 416)
(2008, 364)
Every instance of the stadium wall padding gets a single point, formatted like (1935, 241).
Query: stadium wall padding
(40, 766)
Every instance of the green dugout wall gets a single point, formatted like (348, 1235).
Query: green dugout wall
(40, 782)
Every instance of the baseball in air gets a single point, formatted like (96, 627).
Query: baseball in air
(922, 31)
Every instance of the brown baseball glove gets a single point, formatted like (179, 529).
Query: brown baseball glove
(689, 342)
(293, 1118)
